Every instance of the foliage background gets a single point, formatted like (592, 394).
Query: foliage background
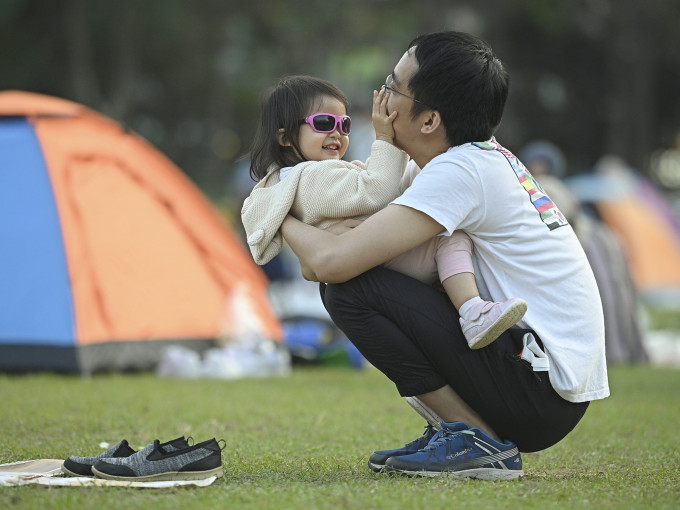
(593, 76)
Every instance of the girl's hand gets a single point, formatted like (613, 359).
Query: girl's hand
(382, 123)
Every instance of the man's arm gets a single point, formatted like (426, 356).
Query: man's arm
(337, 258)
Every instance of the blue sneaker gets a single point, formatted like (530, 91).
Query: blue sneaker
(377, 459)
(466, 453)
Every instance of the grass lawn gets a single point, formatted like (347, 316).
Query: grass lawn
(303, 441)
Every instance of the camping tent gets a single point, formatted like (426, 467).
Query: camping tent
(109, 252)
(643, 220)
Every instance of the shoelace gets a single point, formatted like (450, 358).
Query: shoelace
(443, 436)
(428, 430)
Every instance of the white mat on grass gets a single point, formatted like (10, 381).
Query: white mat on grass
(48, 472)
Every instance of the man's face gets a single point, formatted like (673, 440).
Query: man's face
(401, 100)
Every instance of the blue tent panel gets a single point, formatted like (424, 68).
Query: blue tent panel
(36, 306)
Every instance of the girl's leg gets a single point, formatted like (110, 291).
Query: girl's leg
(482, 321)
(461, 288)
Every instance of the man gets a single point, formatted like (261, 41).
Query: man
(527, 390)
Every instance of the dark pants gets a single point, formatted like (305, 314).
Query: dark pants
(410, 332)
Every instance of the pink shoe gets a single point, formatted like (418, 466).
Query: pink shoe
(490, 319)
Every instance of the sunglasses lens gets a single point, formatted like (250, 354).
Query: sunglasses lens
(346, 125)
(324, 123)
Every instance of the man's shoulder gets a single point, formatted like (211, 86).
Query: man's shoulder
(464, 159)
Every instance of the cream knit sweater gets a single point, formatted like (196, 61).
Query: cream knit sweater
(320, 193)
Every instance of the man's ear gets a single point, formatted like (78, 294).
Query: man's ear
(283, 138)
(431, 122)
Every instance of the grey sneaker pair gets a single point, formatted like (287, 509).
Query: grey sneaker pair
(82, 466)
(156, 462)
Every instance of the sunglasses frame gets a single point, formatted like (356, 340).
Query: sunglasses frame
(338, 123)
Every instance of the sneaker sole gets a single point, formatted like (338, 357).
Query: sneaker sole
(505, 321)
(376, 467)
(68, 472)
(167, 476)
(475, 474)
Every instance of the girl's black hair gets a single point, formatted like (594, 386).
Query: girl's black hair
(292, 99)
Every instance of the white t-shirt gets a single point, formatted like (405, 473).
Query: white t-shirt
(523, 247)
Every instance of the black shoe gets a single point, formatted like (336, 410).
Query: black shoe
(155, 463)
(82, 466)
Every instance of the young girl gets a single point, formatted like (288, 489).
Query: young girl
(296, 157)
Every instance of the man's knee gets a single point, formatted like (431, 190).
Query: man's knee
(339, 297)
(334, 297)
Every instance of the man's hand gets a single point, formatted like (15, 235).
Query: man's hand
(344, 226)
(382, 122)
(307, 273)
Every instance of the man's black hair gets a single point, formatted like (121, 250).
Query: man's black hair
(459, 76)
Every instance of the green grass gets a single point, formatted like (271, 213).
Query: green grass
(303, 442)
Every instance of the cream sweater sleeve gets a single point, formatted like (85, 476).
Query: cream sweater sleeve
(320, 193)
(332, 192)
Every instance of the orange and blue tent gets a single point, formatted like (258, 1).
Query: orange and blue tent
(109, 252)
(644, 222)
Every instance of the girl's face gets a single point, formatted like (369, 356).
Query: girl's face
(321, 146)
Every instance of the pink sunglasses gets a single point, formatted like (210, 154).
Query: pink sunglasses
(327, 123)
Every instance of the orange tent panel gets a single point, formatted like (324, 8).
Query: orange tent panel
(652, 247)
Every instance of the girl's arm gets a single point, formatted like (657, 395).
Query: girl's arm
(323, 192)
(337, 258)
(334, 189)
